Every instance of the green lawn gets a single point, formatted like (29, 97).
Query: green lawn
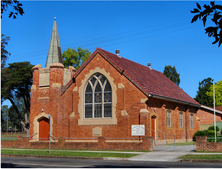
(66, 153)
(208, 152)
(8, 138)
(203, 157)
(183, 144)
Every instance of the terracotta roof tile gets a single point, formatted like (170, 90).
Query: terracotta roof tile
(149, 80)
(219, 108)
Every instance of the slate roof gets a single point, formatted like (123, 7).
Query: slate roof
(151, 82)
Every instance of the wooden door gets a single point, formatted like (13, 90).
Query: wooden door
(44, 129)
(153, 127)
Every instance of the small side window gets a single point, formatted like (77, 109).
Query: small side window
(191, 120)
(181, 119)
(168, 118)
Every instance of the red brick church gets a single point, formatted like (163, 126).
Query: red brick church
(105, 97)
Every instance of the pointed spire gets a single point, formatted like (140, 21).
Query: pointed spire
(54, 54)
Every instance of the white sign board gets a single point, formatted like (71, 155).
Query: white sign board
(138, 130)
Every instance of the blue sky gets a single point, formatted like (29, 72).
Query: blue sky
(158, 32)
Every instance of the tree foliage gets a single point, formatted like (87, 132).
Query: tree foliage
(4, 116)
(10, 112)
(16, 81)
(203, 88)
(218, 93)
(15, 5)
(208, 11)
(74, 58)
(4, 52)
(172, 74)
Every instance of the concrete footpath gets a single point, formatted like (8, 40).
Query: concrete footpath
(169, 154)
(164, 153)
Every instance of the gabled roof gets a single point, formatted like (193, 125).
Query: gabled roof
(54, 53)
(151, 82)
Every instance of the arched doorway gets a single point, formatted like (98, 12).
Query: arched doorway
(43, 129)
(153, 127)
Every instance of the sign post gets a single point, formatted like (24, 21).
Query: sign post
(49, 132)
(137, 130)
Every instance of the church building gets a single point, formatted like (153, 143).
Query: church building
(105, 97)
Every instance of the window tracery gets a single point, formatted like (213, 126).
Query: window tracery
(98, 97)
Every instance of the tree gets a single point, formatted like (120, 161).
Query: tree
(13, 121)
(16, 8)
(4, 116)
(208, 11)
(203, 88)
(4, 52)
(74, 58)
(172, 74)
(15, 87)
(218, 93)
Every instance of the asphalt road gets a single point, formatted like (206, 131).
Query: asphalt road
(17, 162)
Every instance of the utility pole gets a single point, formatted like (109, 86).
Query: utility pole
(214, 112)
(7, 123)
(49, 132)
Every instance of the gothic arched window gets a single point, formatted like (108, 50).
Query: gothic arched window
(98, 97)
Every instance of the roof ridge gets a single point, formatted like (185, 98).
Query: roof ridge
(127, 59)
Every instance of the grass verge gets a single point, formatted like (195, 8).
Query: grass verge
(34, 149)
(183, 144)
(203, 157)
(66, 153)
(12, 135)
(208, 152)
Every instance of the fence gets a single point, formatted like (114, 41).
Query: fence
(204, 144)
(100, 143)
(213, 139)
(169, 139)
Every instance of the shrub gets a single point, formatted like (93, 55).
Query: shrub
(212, 128)
(199, 133)
(206, 131)
(211, 133)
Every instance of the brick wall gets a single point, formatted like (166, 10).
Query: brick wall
(146, 144)
(207, 116)
(65, 113)
(203, 145)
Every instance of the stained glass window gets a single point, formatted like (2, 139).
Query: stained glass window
(98, 97)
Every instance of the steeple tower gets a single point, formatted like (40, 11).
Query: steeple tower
(54, 54)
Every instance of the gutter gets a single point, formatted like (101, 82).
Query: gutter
(211, 109)
(173, 100)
